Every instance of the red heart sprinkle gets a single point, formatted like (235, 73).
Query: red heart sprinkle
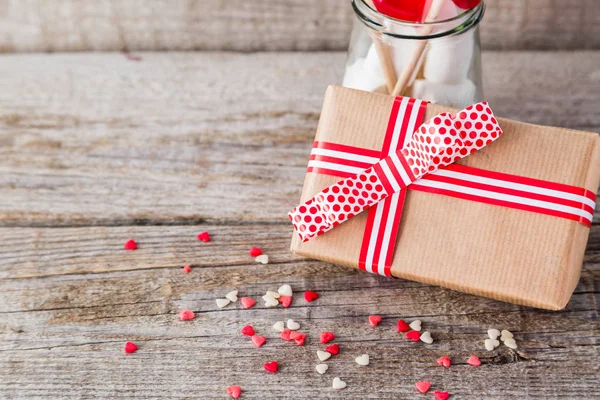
(258, 340)
(474, 361)
(234, 391)
(204, 236)
(413, 335)
(186, 315)
(403, 326)
(445, 361)
(271, 366)
(441, 395)
(130, 245)
(423, 386)
(248, 330)
(247, 302)
(311, 296)
(327, 337)
(130, 347)
(333, 349)
(187, 269)
(285, 335)
(255, 252)
(300, 341)
(374, 320)
(298, 337)
(285, 301)
(294, 335)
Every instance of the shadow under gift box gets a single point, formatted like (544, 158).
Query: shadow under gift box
(503, 253)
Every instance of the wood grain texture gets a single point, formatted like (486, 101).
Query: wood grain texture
(207, 137)
(238, 25)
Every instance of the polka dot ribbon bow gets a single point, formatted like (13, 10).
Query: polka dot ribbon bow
(437, 143)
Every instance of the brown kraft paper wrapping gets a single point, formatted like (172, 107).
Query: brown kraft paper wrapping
(502, 253)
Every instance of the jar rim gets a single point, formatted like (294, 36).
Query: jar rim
(457, 24)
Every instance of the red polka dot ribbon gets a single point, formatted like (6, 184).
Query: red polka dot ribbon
(439, 142)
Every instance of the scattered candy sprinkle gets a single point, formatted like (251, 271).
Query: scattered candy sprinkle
(415, 325)
(130, 347)
(285, 300)
(271, 366)
(493, 333)
(441, 395)
(511, 343)
(263, 259)
(204, 237)
(247, 302)
(323, 355)
(248, 330)
(187, 269)
(491, 344)
(445, 361)
(285, 335)
(255, 252)
(506, 335)
(258, 340)
(274, 295)
(334, 349)
(279, 326)
(186, 315)
(285, 290)
(292, 325)
(130, 245)
(362, 360)
(310, 296)
(270, 301)
(403, 326)
(298, 337)
(338, 384)
(426, 337)
(322, 368)
(413, 335)
(474, 361)
(222, 302)
(232, 296)
(327, 337)
(374, 320)
(423, 386)
(234, 391)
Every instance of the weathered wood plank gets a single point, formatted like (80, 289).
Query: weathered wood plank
(113, 25)
(101, 140)
(67, 305)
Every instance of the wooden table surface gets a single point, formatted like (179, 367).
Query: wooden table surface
(97, 148)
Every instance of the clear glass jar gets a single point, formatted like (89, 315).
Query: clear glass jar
(437, 61)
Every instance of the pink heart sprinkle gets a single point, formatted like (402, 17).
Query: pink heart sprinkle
(204, 237)
(441, 395)
(474, 361)
(130, 347)
(445, 361)
(374, 320)
(247, 302)
(258, 340)
(130, 245)
(423, 386)
(186, 315)
(234, 391)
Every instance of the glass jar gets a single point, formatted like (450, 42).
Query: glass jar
(437, 61)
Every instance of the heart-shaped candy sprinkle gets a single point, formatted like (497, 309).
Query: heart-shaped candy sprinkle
(445, 361)
(415, 325)
(374, 320)
(248, 330)
(295, 335)
(186, 269)
(247, 302)
(130, 245)
(270, 301)
(491, 344)
(333, 349)
(413, 335)
(510, 343)
(234, 391)
(322, 368)
(300, 339)
(493, 333)
(338, 383)
(285, 301)
(426, 337)
(274, 295)
(279, 326)
(323, 355)
(255, 252)
(506, 335)
(130, 347)
(204, 237)
(292, 325)
(285, 335)
(258, 340)
(310, 296)
(263, 259)
(327, 337)
(285, 290)
(186, 315)
(232, 296)
(423, 386)
(222, 302)
(441, 395)
(403, 326)
(474, 361)
(271, 366)
(362, 360)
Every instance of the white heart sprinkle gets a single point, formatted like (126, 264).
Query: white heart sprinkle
(506, 335)
(269, 301)
(323, 355)
(362, 360)
(274, 295)
(232, 296)
(263, 259)
(510, 343)
(338, 383)
(415, 325)
(279, 326)
(285, 290)
(222, 302)
(426, 337)
(491, 344)
(493, 333)
(292, 325)
(322, 368)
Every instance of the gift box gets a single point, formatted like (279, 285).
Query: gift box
(509, 221)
